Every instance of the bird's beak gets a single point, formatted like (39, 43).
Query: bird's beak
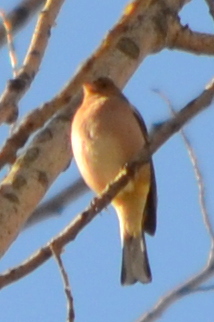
(88, 88)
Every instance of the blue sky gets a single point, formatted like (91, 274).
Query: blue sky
(181, 244)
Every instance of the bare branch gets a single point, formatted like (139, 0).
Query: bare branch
(67, 288)
(210, 4)
(36, 119)
(31, 175)
(203, 289)
(19, 16)
(55, 205)
(183, 38)
(10, 43)
(185, 289)
(18, 86)
(198, 174)
(164, 132)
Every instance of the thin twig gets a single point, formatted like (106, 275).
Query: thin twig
(17, 87)
(185, 289)
(65, 279)
(203, 289)
(10, 43)
(197, 171)
(210, 4)
(19, 16)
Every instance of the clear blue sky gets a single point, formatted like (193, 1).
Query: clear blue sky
(180, 246)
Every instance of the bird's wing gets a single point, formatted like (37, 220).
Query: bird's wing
(149, 223)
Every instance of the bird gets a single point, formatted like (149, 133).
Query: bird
(107, 132)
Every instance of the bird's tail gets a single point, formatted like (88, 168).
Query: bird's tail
(135, 263)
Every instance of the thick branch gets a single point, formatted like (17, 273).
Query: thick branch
(183, 38)
(30, 177)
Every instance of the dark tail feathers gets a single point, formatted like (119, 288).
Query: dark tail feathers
(135, 263)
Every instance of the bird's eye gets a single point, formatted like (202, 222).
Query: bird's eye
(103, 84)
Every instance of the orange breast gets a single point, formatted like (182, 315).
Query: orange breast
(105, 139)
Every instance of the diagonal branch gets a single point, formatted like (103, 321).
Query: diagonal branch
(210, 4)
(18, 86)
(10, 42)
(185, 289)
(19, 16)
(198, 174)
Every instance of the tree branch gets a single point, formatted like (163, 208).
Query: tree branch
(185, 289)
(10, 43)
(210, 5)
(197, 172)
(18, 86)
(19, 16)
(183, 38)
(67, 288)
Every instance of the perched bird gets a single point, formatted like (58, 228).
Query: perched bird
(107, 132)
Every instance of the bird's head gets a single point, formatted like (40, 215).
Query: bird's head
(102, 85)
